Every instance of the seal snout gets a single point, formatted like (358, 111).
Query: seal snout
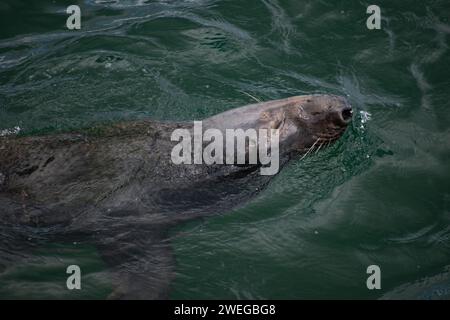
(346, 114)
(342, 113)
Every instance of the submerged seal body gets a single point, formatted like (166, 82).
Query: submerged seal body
(117, 187)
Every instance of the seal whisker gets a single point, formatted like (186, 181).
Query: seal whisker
(253, 97)
(317, 150)
(310, 148)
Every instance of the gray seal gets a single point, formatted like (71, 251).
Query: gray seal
(116, 186)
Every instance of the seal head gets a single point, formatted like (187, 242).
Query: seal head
(304, 122)
(314, 121)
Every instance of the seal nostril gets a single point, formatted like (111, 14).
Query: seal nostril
(347, 113)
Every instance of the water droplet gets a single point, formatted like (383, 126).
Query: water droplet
(365, 116)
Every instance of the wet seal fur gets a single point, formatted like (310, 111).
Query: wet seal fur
(116, 187)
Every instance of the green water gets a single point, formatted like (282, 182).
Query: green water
(380, 196)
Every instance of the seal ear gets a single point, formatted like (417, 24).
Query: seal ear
(283, 119)
(286, 124)
(273, 119)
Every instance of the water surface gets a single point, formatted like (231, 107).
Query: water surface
(381, 195)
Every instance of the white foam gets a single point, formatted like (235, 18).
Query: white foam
(365, 117)
(10, 131)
